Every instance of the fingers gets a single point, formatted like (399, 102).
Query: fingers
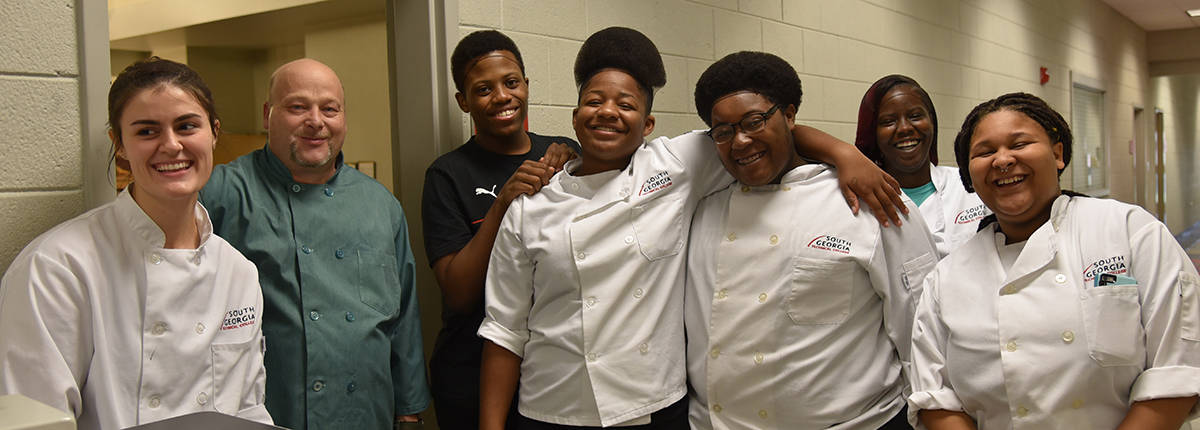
(881, 213)
(851, 199)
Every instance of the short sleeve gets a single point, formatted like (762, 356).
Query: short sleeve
(445, 227)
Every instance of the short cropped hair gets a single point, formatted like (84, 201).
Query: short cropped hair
(1028, 104)
(624, 49)
(475, 45)
(868, 116)
(758, 72)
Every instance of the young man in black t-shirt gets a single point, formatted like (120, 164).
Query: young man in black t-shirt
(466, 194)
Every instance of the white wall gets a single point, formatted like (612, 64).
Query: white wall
(41, 181)
(962, 52)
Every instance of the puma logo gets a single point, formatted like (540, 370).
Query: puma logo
(481, 191)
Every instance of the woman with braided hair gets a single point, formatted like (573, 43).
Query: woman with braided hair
(1064, 311)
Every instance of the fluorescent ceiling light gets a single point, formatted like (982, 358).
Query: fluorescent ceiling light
(1193, 12)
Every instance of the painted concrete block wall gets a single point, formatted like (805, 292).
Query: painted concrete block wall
(41, 179)
(1178, 97)
(962, 52)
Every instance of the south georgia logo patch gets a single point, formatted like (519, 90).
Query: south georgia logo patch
(660, 181)
(971, 215)
(238, 318)
(830, 243)
(1114, 265)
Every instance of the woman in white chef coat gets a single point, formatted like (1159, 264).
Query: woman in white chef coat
(1064, 311)
(135, 312)
(897, 128)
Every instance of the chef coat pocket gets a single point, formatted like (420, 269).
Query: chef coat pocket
(658, 226)
(820, 292)
(1189, 306)
(1112, 318)
(234, 373)
(379, 282)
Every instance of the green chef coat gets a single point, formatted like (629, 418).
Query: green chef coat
(340, 315)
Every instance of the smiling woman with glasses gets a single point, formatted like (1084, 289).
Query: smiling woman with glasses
(722, 134)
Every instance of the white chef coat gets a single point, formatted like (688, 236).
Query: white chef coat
(952, 213)
(1040, 346)
(101, 321)
(585, 283)
(798, 313)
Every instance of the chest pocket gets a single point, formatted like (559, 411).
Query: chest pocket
(235, 372)
(1113, 323)
(379, 282)
(820, 291)
(658, 226)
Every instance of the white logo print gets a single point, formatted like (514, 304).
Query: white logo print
(481, 191)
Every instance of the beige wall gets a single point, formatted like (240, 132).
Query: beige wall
(962, 52)
(226, 71)
(1178, 97)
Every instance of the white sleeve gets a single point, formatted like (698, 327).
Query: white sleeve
(698, 155)
(1168, 285)
(931, 388)
(508, 294)
(45, 324)
(903, 256)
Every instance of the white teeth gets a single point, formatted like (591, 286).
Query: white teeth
(603, 128)
(1011, 180)
(172, 166)
(908, 144)
(750, 159)
(507, 112)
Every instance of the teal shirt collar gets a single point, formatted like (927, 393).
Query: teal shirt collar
(276, 170)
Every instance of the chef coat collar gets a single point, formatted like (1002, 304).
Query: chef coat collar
(147, 230)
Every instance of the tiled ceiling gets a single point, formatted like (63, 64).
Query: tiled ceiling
(1155, 15)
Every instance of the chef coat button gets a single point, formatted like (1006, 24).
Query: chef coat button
(1068, 336)
(637, 294)
(156, 259)
(762, 413)
(716, 407)
(774, 240)
(318, 385)
(624, 192)
(787, 188)
(1022, 411)
(340, 254)
(1012, 346)
(350, 316)
(591, 301)
(643, 348)
(591, 356)
(1078, 403)
(758, 357)
(314, 315)
(155, 401)
(762, 298)
(574, 186)
(628, 239)
(580, 255)
(716, 352)
(1060, 278)
(1008, 290)
(306, 250)
(731, 237)
(199, 328)
(351, 387)
(745, 188)
(328, 192)
(295, 188)
(202, 398)
(159, 328)
(722, 294)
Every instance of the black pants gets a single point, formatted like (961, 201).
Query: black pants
(674, 417)
(898, 422)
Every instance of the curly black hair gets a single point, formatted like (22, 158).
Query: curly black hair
(625, 49)
(1033, 107)
(758, 72)
(868, 116)
(475, 45)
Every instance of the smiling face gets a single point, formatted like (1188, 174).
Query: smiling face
(495, 94)
(305, 118)
(904, 133)
(1014, 169)
(168, 141)
(611, 121)
(761, 157)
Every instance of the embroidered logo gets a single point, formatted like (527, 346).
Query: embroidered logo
(1114, 265)
(659, 181)
(238, 318)
(971, 215)
(481, 191)
(830, 243)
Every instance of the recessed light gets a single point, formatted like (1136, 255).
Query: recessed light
(1193, 12)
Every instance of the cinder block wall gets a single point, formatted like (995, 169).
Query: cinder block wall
(40, 146)
(962, 52)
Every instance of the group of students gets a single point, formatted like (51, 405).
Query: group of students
(722, 278)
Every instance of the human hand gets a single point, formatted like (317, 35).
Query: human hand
(528, 179)
(557, 155)
(863, 179)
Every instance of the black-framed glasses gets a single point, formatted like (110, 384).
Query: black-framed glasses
(751, 123)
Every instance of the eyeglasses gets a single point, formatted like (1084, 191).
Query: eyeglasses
(752, 123)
